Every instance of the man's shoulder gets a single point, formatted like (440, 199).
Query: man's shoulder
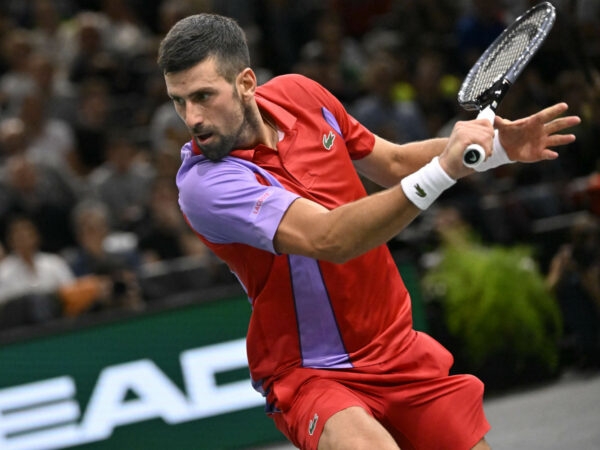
(290, 85)
(288, 80)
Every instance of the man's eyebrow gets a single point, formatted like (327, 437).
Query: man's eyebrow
(199, 91)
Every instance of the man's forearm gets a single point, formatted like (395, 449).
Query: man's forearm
(389, 163)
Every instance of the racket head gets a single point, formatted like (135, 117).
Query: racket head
(505, 58)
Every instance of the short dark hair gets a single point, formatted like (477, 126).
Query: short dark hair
(199, 37)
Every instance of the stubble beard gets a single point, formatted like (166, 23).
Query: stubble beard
(224, 143)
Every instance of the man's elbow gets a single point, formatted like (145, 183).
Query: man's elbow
(337, 251)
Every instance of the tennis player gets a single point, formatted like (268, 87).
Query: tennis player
(269, 181)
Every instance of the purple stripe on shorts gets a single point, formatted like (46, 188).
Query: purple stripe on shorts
(320, 340)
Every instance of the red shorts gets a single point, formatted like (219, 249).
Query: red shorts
(412, 396)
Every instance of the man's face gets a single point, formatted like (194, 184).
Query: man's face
(211, 108)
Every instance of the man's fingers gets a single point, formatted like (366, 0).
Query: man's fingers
(549, 154)
(553, 121)
(562, 123)
(559, 139)
(548, 114)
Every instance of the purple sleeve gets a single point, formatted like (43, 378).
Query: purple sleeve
(226, 204)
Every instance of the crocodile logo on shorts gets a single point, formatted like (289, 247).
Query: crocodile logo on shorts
(312, 425)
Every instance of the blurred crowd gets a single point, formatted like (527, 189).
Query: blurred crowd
(89, 141)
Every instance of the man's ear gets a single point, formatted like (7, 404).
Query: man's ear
(246, 83)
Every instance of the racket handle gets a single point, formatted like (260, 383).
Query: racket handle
(474, 154)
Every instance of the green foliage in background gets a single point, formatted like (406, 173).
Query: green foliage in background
(496, 304)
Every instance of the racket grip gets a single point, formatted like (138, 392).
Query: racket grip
(474, 154)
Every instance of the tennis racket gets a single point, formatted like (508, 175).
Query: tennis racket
(499, 66)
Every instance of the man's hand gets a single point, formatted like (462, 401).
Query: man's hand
(529, 139)
(464, 133)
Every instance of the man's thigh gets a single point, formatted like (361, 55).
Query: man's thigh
(355, 429)
(315, 402)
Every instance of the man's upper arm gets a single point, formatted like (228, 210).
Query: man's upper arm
(298, 228)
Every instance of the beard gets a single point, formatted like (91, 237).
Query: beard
(222, 144)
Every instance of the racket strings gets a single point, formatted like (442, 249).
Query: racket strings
(502, 59)
(512, 50)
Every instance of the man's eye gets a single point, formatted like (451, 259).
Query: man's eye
(201, 97)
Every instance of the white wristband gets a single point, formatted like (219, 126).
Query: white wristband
(497, 158)
(425, 185)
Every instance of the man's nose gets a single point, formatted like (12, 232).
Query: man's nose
(193, 115)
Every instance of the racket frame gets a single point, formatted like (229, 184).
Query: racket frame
(488, 101)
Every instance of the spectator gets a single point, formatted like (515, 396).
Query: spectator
(380, 110)
(574, 276)
(127, 39)
(48, 33)
(123, 182)
(163, 232)
(107, 274)
(125, 34)
(91, 126)
(92, 59)
(166, 129)
(582, 156)
(92, 252)
(13, 139)
(40, 192)
(58, 95)
(170, 12)
(16, 82)
(333, 58)
(359, 17)
(419, 23)
(50, 141)
(30, 276)
(435, 89)
(293, 23)
(476, 28)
